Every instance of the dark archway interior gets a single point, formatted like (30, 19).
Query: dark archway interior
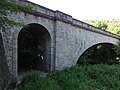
(34, 44)
(97, 54)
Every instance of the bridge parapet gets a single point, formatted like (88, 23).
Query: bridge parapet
(63, 17)
(58, 15)
(89, 27)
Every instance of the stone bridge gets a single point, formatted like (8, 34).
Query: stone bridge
(62, 38)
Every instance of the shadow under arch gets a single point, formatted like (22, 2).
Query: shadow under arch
(34, 48)
(98, 53)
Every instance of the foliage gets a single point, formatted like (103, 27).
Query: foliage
(35, 81)
(95, 77)
(8, 7)
(103, 53)
(101, 25)
(85, 58)
(117, 48)
(109, 25)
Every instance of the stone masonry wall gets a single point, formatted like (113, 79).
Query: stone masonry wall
(4, 70)
(69, 37)
(72, 41)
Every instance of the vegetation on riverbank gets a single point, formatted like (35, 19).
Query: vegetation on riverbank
(90, 77)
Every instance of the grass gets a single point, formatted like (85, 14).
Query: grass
(91, 77)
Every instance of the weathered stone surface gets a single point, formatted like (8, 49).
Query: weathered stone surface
(69, 38)
(4, 70)
(72, 41)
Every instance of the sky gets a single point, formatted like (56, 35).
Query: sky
(85, 9)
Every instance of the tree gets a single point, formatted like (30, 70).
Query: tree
(8, 7)
(112, 26)
(101, 25)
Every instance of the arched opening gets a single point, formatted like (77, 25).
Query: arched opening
(34, 49)
(100, 53)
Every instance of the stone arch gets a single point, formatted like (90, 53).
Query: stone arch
(97, 44)
(42, 47)
(109, 45)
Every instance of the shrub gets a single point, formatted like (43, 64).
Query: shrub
(90, 77)
(35, 81)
